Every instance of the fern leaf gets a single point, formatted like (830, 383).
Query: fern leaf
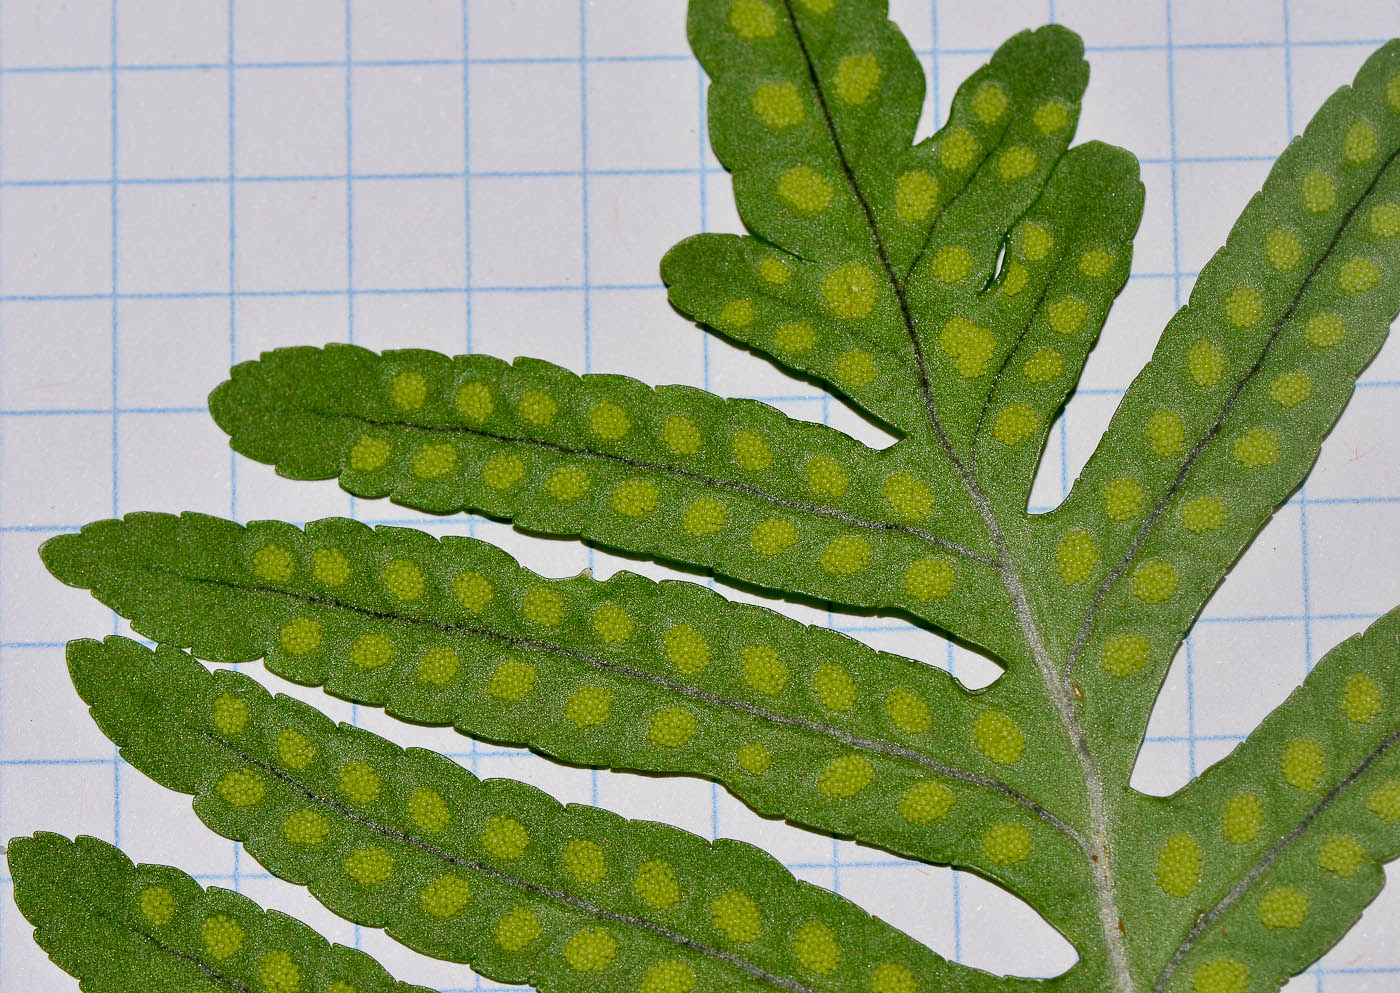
(119, 927)
(1227, 418)
(872, 265)
(493, 873)
(815, 121)
(1293, 827)
(799, 722)
(730, 485)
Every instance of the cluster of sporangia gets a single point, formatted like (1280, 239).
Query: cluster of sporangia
(952, 289)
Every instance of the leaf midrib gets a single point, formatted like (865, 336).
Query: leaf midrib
(1097, 847)
(746, 489)
(510, 879)
(174, 953)
(887, 749)
(1270, 857)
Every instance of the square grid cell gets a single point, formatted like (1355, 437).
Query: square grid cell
(184, 184)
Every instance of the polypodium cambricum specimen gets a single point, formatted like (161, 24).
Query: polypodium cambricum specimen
(951, 289)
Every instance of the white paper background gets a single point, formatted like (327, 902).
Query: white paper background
(184, 183)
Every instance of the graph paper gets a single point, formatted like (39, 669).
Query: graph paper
(185, 183)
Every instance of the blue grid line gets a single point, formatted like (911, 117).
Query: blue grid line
(1215, 46)
(116, 370)
(451, 174)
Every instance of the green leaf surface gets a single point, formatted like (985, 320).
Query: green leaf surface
(729, 485)
(799, 722)
(1293, 826)
(118, 927)
(814, 115)
(1227, 419)
(493, 873)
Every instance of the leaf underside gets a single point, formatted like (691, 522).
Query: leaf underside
(950, 288)
(491, 872)
(119, 927)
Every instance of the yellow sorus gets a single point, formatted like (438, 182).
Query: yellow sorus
(1165, 433)
(687, 650)
(915, 196)
(230, 714)
(805, 189)
(763, 670)
(1155, 581)
(704, 517)
(1179, 865)
(990, 102)
(1007, 843)
(671, 727)
(444, 897)
(1283, 908)
(752, 19)
(834, 687)
(1303, 764)
(907, 711)
(778, 105)
(634, 497)
(1014, 424)
(504, 837)
(517, 929)
(849, 291)
(608, 421)
(369, 866)
(655, 883)
(1221, 975)
(929, 579)
(998, 737)
(1205, 362)
(1202, 513)
(1241, 818)
(1256, 448)
(958, 149)
(857, 77)
(845, 776)
(1361, 698)
(1124, 654)
(273, 562)
(1076, 556)
(736, 914)
(925, 802)
(845, 555)
(1122, 498)
(816, 947)
(1319, 192)
(408, 390)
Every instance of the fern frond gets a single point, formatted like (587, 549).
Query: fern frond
(493, 873)
(118, 927)
(1227, 419)
(798, 722)
(1292, 827)
(730, 485)
(952, 289)
(815, 120)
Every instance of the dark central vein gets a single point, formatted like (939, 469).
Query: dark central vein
(1268, 859)
(901, 297)
(695, 477)
(1179, 480)
(175, 953)
(695, 693)
(1096, 846)
(510, 879)
(1015, 347)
